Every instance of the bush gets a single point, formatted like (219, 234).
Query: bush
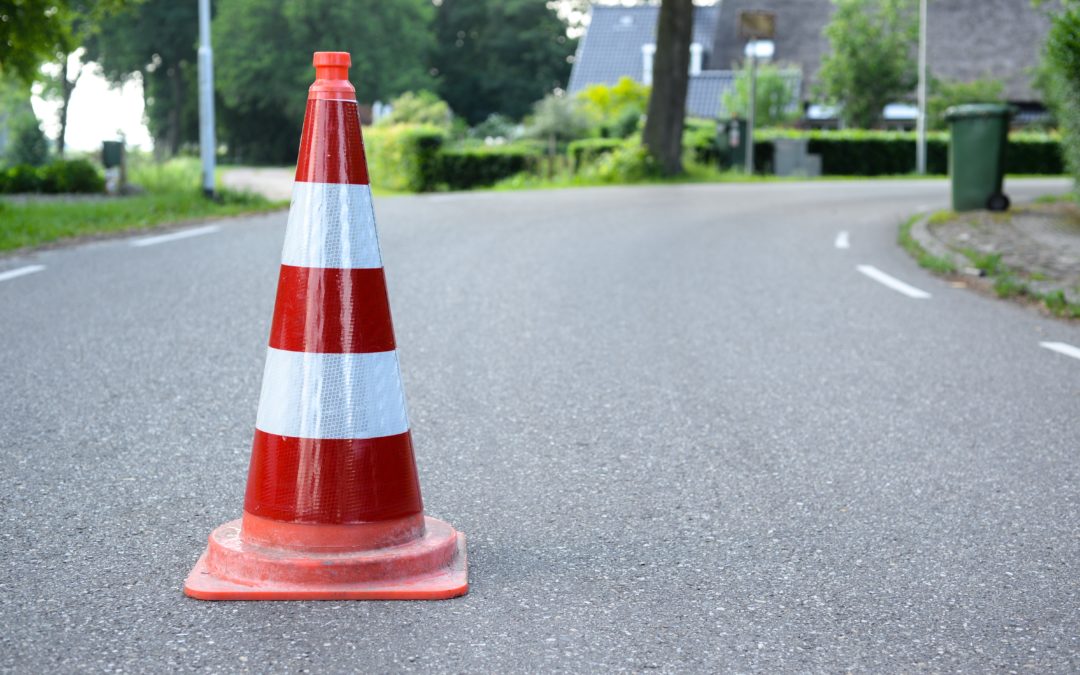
(404, 156)
(587, 150)
(1060, 79)
(22, 178)
(422, 107)
(699, 137)
(465, 168)
(629, 163)
(28, 144)
(73, 175)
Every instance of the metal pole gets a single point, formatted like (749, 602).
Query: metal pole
(920, 122)
(751, 109)
(207, 142)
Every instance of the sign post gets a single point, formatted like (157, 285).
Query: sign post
(207, 142)
(754, 25)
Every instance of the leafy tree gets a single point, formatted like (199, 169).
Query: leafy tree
(871, 61)
(556, 118)
(31, 33)
(945, 94)
(422, 107)
(26, 142)
(776, 99)
(263, 52)
(158, 40)
(1060, 80)
(498, 56)
(616, 109)
(667, 103)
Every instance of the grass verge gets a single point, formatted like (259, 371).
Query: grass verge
(1006, 282)
(171, 196)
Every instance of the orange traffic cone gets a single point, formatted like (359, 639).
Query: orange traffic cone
(333, 508)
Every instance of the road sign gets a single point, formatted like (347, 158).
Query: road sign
(757, 25)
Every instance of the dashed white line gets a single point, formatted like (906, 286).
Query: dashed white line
(20, 271)
(842, 240)
(892, 282)
(1062, 348)
(173, 236)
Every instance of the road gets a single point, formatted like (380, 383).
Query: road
(681, 430)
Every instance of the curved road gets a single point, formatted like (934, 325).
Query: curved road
(680, 428)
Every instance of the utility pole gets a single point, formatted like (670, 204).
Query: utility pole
(920, 122)
(207, 142)
(751, 109)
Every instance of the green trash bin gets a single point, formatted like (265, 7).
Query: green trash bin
(730, 137)
(978, 134)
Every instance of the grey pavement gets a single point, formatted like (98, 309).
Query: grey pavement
(679, 428)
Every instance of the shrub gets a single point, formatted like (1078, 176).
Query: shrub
(465, 168)
(616, 110)
(945, 94)
(629, 163)
(403, 156)
(422, 107)
(1061, 80)
(586, 150)
(777, 95)
(699, 137)
(73, 175)
(23, 178)
(28, 144)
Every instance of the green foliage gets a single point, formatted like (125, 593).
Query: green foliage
(616, 110)
(61, 176)
(498, 55)
(945, 94)
(31, 33)
(925, 260)
(699, 137)
(28, 144)
(870, 61)
(422, 107)
(263, 51)
(466, 168)
(559, 117)
(587, 150)
(495, 126)
(629, 163)
(777, 100)
(404, 157)
(1060, 80)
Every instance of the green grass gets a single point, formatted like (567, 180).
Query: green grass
(1007, 283)
(933, 263)
(171, 196)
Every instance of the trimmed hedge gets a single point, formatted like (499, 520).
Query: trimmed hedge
(465, 168)
(586, 150)
(404, 156)
(60, 176)
(880, 153)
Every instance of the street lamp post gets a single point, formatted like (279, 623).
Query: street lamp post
(920, 122)
(207, 142)
(751, 110)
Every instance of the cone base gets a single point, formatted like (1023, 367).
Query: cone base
(433, 567)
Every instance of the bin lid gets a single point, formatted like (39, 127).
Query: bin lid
(978, 110)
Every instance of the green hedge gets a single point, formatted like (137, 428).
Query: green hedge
(465, 168)
(880, 153)
(404, 156)
(60, 176)
(586, 150)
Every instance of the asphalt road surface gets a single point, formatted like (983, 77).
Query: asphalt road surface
(681, 427)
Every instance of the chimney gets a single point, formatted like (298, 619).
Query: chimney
(647, 52)
(695, 58)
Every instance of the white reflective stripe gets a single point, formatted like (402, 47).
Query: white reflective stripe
(331, 225)
(312, 395)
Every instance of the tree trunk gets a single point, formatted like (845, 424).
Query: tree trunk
(177, 86)
(67, 87)
(667, 103)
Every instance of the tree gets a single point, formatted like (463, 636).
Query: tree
(422, 107)
(498, 56)
(157, 39)
(945, 94)
(262, 89)
(871, 61)
(1060, 80)
(21, 138)
(616, 109)
(31, 33)
(776, 98)
(667, 104)
(557, 117)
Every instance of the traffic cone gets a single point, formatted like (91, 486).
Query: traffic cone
(333, 508)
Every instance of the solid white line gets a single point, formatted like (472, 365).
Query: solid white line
(20, 271)
(315, 395)
(173, 236)
(1062, 348)
(892, 282)
(842, 240)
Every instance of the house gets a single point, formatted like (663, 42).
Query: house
(966, 40)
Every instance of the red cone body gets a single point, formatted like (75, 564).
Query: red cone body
(333, 508)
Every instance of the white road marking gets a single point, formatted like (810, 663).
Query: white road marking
(173, 236)
(1062, 348)
(20, 271)
(842, 240)
(892, 282)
